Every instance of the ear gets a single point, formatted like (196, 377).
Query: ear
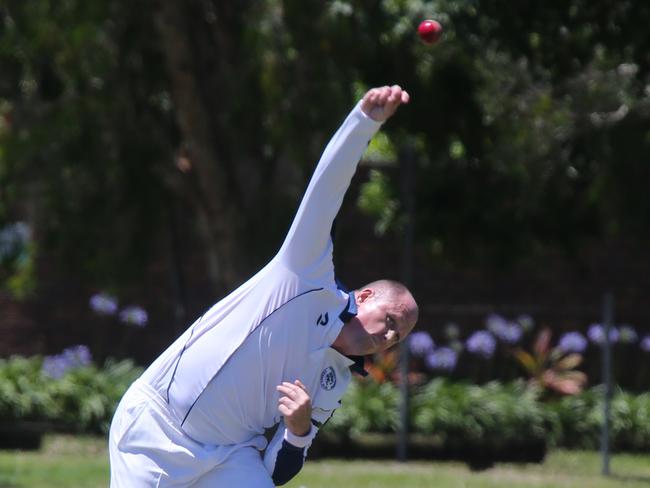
(364, 295)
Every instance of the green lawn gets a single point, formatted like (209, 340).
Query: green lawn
(78, 462)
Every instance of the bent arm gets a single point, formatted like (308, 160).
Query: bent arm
(308, 240)
(286, 454)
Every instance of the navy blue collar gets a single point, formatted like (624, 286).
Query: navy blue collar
(348, 312)
(359, 365)
(350, 309)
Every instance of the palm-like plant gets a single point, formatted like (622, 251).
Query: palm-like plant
(550, 368)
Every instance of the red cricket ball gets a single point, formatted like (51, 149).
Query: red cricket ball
(429, 31)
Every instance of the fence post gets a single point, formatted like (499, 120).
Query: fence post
(407, 163)
(608, 322)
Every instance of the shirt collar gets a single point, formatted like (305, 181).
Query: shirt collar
(350, 309)
(348, 312)
(358, 366)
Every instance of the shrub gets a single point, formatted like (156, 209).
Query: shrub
(489, 417)
(24, 391)
(86, 397)
(580, 419)
(81, 400)
(367, 407)
(506, 421)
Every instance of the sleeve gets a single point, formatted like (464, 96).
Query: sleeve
(308, 240)
(286, 454)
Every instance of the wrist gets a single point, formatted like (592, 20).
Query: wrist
(299, 440)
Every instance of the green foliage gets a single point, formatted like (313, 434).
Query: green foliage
(580, 418)
(82, 400)
(86, 397)
(367, 407)
(530, 122)
(21, 280)
(377, 200)
(17, 258)
(80, 81)
(493, 416)
(24, 390)
(496, 416)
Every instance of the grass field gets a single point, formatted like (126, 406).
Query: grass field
(77, 462)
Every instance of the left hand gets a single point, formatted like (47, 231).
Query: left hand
(381, 103)
(295, 406)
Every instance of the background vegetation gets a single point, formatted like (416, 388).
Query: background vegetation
(153, 151)
(530, 126)
(459, 420)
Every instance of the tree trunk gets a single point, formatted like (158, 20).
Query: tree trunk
(221, 221)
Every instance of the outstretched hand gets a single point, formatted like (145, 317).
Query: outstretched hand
(381, 103)
(295, 406)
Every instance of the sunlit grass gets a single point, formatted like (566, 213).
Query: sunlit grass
(81, 462)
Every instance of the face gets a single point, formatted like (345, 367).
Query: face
(378, 325)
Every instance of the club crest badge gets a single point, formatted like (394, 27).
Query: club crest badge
(328, 378)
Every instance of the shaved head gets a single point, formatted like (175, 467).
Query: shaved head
(394, 291)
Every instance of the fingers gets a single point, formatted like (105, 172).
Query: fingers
(294, 390)
(387, 94)
(295, 395)
(294, 404)
(382, 102)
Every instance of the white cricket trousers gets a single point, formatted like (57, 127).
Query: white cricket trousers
(148, 449)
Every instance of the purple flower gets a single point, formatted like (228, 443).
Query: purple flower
(627, 334)
(103, 304)
(55, 366)
(512, 333)
(508, 332)
(442, 358)
(481, 343)
(134, 315)
(645, 344)
(572, 342)
(596, 334)
(72, 357)
(77, 356)
(495, 323)
(420, 343)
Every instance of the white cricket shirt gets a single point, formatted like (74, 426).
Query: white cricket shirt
(219, 378)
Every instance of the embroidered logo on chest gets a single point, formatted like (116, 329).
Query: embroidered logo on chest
(328, 378)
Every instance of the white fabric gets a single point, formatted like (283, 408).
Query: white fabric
(299, 441)
(147, 448)
(244, 469)
(217, 382)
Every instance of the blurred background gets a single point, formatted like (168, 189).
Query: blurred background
(152, 154)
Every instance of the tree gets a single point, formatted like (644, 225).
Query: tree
(529, 123)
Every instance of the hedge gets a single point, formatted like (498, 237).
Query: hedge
(457, 416)
(82, 400)
(496, 416)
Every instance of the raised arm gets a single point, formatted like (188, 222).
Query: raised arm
(308, 241)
